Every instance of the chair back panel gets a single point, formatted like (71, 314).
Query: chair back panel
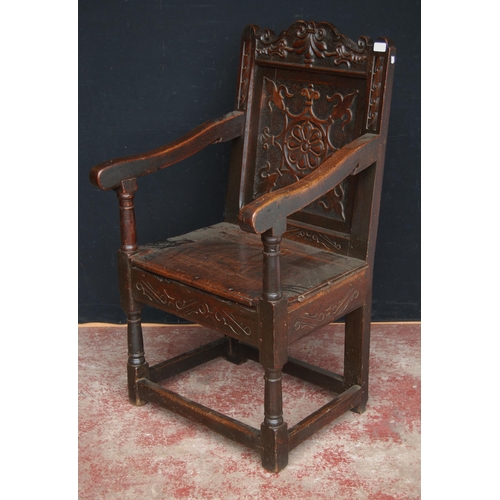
(300, 124)
(307, 92)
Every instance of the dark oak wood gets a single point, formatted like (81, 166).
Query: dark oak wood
(110, 174)
(305, 371)
(232, 319)
(296, 248)
(188, 360)
(357, 351)
(227, 426)
(325, 415)
(321, 308)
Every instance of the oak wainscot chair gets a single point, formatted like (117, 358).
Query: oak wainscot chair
(296, 248)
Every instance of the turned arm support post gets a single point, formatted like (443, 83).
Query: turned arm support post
(271, 279)
(126, 193)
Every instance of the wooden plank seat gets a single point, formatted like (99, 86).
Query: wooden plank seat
(236, 271)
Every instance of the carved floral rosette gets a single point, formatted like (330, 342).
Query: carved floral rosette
(310, 43)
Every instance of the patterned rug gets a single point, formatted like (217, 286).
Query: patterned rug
(128, 452)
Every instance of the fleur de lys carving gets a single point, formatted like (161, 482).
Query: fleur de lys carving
(276, 94)
(299, 141)
(269, 179)
(304, 140)
(310, 94)
(333, 200)
(342, 107)
(309, 41)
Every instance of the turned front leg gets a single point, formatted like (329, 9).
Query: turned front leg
(137, 367)
(274, 430)
(273, 355)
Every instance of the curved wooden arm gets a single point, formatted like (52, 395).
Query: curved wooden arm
(109, 174)
(271, 210)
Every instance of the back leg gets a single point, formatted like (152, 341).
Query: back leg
(357, 352)
(234, 354)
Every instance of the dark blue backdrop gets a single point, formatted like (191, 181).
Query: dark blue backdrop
(150, 71)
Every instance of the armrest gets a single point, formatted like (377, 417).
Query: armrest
(271, 210)
(110, 174)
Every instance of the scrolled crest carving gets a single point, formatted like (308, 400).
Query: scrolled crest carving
(310, 43)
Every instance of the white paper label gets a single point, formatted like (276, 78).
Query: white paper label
(379, 47)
